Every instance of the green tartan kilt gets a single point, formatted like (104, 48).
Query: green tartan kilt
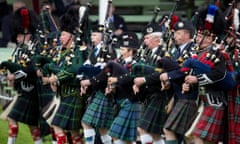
(154, 114)
(182, 116)
(26, 108)
(100, 112)
(69, 113)
(45, 96)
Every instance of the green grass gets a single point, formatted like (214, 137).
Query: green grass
(24, 136)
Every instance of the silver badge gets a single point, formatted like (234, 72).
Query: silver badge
(180, 24)
(149, 30)
(126, 43)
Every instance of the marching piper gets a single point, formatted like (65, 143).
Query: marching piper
(24, 77)
(63, 79)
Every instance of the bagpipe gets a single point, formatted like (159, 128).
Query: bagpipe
(47, 39)
(166, 22)
(48, 24)
(22, 60)
(78, 51)
(107, 52)
(197, 67)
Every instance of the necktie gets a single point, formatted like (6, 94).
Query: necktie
(95, 51)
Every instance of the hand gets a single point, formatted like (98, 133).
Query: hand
(45, 80)
(138, 81)
(112, 80)
(164, 77)
(53, 79)
(39, 73)
(85, 82)
(10, 77)
(190, 79)
(10, 80)
(118, 32)
(83, 90)
(165, 85)
(185, 87)
(108, 90)
(54, 86)
(135, 89)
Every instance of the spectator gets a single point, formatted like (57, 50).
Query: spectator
(7, 32)
(5, 9)
(118, 23)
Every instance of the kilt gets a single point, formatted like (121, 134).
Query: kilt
(237, 118)
(230, 131)
(182, 116)
(45, 96)
(210, 126)
(100, 112)
(154, 114)
(69, 113)
(124, 126)
(26, 108)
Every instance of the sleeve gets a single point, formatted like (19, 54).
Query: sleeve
(216, 74)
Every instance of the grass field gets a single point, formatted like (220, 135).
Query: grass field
(24, 136)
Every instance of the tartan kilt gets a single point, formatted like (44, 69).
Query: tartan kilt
(69, 113)
(210, 126)
(230, 131)
(45, 96)
(100, 112)
(26, 108)
(237, 118)
(154, 115)
(124, 126)
(182, 116)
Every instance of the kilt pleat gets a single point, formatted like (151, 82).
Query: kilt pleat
(26, 109)
(211, 124)
(182, 116)
(154, 114)
(68, 115)
(237, 119)
(124, 126)
(231, 124)
(45, 96)
(100, 112)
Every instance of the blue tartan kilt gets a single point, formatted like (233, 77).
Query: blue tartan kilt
(124, 126)
(69, 113)
(182, 116)
(26, 108)
(100, 112)
(154, 114)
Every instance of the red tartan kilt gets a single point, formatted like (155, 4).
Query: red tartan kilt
(237, 119)
(211, 124)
